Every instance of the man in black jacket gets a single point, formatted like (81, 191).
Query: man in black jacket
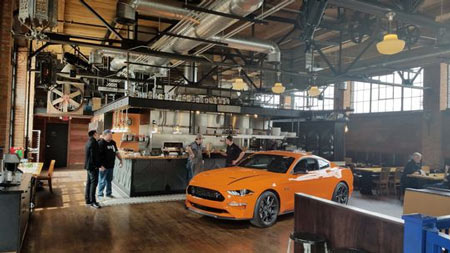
(92, 165)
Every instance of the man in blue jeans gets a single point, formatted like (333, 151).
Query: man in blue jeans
(108, 152)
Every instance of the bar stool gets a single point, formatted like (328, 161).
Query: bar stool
(311, 243)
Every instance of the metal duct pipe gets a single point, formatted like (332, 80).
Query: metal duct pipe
(268, 47)
(214, 24)
(209, 26)
(163, 8)
(380, 10)
(191, 72)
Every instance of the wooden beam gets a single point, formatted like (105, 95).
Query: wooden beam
(61, 14)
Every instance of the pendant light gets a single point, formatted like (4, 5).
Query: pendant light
(278, 87)
(126, 128)
(238, 83)
(390, 44)
(114, 129)
(314, 91)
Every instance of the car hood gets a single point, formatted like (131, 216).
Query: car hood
(229, 176)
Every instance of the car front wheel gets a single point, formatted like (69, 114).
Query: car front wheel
(340, 194)
(266, 210)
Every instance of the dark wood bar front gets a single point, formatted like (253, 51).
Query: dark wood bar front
(152, 175)
(347, 227)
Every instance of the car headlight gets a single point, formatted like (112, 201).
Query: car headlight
(243, 192)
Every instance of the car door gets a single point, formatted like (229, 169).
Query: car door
(306, 177)
(330, 177)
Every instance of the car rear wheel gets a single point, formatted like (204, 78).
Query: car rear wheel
(266, 210)
(340, 194)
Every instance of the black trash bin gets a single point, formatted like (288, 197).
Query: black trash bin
(308, 243)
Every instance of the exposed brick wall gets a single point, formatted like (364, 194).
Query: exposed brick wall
(6, 45)
(432, 120)
(20, 106)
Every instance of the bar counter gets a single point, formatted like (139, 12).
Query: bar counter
(153, 175)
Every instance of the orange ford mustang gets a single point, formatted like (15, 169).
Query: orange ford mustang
(262, 186)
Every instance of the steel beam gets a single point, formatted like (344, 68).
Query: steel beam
(101, 19)
(248, 19)
(380, 10)
(325, 58)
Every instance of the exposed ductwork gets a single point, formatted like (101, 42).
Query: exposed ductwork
(209, 26)
(163, 8)
(262, 46)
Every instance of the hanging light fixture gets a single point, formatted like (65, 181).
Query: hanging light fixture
(314, 91)
(114, 128)
(177, 130)
(278, 87)
(390, 44)
(126, 128)
(238, 83)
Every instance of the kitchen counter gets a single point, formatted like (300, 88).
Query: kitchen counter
(153, 175)
(132, 157)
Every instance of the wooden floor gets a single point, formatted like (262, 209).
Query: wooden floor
(61, 223)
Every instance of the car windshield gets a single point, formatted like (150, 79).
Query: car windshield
(272, 163)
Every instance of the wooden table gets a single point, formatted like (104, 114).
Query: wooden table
(367, 176)
(31, 168)
(418, 181)
(431, 176)
(373, 170)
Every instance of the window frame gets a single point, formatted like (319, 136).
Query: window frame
(306, 171)
(385, 98)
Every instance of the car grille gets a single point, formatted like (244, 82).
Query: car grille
(208, 209)
(205, 193)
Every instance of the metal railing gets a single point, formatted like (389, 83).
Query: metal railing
(425, 234)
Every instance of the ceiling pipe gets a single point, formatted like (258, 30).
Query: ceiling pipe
(381, 11)
(251, 44)
(163, 8)
(209, 26)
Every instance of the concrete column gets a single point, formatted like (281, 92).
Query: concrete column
(434, 101)
(6, 47)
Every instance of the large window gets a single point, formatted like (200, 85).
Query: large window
(372, 97)
(326, 102)
(269, 101)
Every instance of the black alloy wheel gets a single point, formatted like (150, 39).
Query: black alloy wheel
(340, 194)
(266, 210)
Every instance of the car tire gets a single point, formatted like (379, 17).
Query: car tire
(266, 210)
(341, 193)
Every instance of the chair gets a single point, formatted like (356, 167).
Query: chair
(49, 175)
(394, 182)
(382, 183)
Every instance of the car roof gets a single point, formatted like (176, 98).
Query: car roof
(295, 154)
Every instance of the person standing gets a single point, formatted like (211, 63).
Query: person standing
(413, 166)
(108, 152)
(92, 165)
(234, 153)
(195, 160)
